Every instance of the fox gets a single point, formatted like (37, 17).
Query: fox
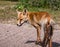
(38, 20)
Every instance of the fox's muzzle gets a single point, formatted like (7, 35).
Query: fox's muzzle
(21, 23)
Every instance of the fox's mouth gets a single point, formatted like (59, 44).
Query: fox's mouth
(21, 23)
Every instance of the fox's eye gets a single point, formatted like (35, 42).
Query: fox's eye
(21, 19)
(23, 13)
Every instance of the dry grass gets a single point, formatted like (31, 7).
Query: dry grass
(7, 12)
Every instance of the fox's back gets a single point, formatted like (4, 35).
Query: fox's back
(38, 16)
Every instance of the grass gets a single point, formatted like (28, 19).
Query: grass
(8, 13)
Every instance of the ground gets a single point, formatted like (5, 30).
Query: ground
(24, 36)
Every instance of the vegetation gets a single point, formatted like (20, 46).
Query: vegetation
(8, 8)
(52, 4)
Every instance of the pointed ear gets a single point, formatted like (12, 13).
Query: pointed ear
(25, 11)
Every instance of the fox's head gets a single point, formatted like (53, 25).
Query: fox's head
(22, 17)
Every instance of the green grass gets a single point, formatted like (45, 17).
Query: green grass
(8, 12)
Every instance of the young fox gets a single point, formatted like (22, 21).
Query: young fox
(38, 20)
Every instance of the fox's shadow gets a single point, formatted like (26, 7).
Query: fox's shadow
(55, 44)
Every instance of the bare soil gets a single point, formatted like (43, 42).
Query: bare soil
(25, 36)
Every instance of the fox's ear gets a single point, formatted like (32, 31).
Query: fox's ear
(25, 11)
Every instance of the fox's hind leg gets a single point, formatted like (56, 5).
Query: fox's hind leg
(48, 36)
(51, 34)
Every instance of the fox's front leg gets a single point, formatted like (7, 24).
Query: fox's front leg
(38, 27)
(38, 35)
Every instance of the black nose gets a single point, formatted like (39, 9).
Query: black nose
(19, 25)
